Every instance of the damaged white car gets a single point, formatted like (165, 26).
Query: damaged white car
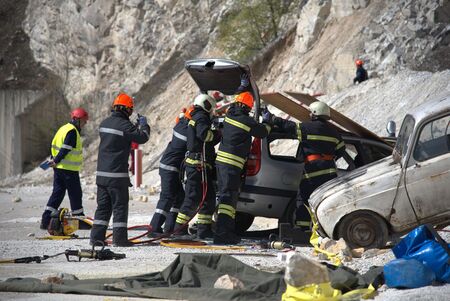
(397, 193)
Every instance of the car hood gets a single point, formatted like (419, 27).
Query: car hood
(365, 173)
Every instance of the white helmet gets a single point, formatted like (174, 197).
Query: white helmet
(319, 108)
(205, 101)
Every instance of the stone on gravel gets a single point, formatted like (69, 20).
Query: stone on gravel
(31, 234)
(302, 271)
(16, 199)
(229, 283)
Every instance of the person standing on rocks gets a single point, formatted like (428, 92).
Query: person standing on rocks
(116, 134)
(361, 73)
(66, 160)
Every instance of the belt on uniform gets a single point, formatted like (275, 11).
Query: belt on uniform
(315, 157)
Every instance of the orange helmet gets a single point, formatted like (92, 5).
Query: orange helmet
(123, 100)
(79, 113)
(359, 63)
(245, 98)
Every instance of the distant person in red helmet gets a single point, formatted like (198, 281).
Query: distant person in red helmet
(66, 160)
(361, 73)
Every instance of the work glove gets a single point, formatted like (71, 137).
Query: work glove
(245, 82)
(142, 120)
(267, 117)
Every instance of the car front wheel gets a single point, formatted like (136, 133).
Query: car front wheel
(363, 229)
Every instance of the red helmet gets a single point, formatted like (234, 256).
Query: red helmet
(124, 100)
(245, 98)
(359, 63)
(79, 113)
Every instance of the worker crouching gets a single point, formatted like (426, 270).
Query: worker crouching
(116, 134)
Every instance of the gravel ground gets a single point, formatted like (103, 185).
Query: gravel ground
(19, 230)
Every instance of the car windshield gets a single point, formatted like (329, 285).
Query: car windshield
(404, 136)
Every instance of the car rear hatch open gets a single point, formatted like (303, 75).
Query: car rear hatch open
(296, 105)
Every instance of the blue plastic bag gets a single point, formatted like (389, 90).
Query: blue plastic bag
(407, 273)
(427, 247)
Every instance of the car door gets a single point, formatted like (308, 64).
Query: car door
(427, 177)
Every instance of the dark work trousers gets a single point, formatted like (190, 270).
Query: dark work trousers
(229, 182)
(194, 194)
(111, 201)
(170, 200)
(64, 180)
(307, 187)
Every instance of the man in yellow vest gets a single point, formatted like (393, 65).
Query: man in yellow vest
(66, 160)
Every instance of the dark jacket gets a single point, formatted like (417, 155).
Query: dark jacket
(317, 137)
(199, 132)
(116, 134)
(176, 149)
(361, 75)
(237, 132)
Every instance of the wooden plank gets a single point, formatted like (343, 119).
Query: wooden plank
(290, 106)
(338, 118)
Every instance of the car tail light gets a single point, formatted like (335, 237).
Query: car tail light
(254, 158)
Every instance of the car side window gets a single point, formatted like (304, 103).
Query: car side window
(284, 149)
(374, 152)
(351, 150)
(434, 139)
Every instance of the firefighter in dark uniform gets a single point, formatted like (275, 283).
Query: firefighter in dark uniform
(199, 163)
(67, 159)
(172, 192)
(116, 134)
(320, 145)
(238, 129)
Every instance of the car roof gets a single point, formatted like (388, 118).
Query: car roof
(432, 107)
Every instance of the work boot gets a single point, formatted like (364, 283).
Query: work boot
(225, 231)
(154, 234)
(120, 237)
(169, 224)
(205, 232)
(157, 222)
(226, 238)
(45, 220)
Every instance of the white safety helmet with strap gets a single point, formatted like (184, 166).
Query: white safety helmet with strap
(205, 101)
(320, 109)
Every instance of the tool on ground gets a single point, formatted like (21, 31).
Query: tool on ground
(98, 254)
(276, 245)
(37, 259)
(63, 223)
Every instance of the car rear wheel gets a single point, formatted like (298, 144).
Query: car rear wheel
(363, 229)
(243, 222)
(289, 213)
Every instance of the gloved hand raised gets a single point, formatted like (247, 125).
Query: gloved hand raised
(245, 82)
(142, 120)
(267, 117)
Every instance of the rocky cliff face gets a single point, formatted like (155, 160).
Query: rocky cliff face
(92, 49)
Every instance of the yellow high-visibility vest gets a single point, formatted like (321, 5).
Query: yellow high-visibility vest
(74, 158)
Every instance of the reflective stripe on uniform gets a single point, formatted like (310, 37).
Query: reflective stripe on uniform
(303, 223)
(120, 225)
(322, 138)
(72, 151)
(78, 211)
(192, 161)
(237, 124)
(182, 218)
(179, 136)
(227, 209)
(68, 162)
(191, 123)
(101, 222)
(66, 146)
(229, 161)
(112, 174)
(162, 212)
(168, 167)
(319, 173)
(268, 128)
(340, 145)
(53, 210)
(209, 136)
(111, 131)
(146, 133)
(299, 132)
(204, 219)
(231, 156)
(174, 209)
